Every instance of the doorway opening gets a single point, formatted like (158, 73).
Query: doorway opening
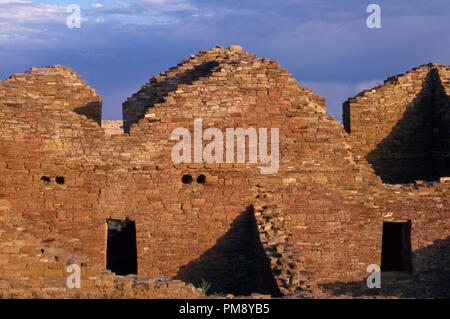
(396, 247)
(121, 251)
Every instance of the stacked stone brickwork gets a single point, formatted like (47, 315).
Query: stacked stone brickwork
(40, 137)
(318, 219)
(197, 67)
(116, 177)
(31, 269)
(112, 127)
(55, 86)
(441, 76)
(332, 193)
(402, 126)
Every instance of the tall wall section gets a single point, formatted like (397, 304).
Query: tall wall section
(52, 167)
(318, 218)
(323, 206)
(442, 127)
(55, 86)
(401, 126)
(185, 73)
(182, 230)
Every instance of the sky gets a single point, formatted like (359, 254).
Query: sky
(325, 44)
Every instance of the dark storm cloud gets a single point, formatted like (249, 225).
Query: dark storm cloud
(324, 43)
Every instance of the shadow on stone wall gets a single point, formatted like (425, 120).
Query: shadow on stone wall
(135, 110)
(409, 152)
(236, 264)
(92, 111)
(442, 155)
(431, 282)
(404, 155)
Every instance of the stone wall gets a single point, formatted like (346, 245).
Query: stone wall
(441, 77)
(118, 177)
(112, 127)
(401, 126)
(31, 269)
(318, 219)
(54, 87)
(196, 68)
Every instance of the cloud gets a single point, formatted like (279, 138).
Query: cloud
(13, 1)
(16, 12)
(324, 43)
(167, 5)
(25, 24)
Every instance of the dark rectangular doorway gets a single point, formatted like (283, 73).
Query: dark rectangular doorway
(121, 252)
(396, 247)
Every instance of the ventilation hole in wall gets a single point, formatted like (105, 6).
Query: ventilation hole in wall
(59, 179)
(186, 179)
(56, 258)
(42, 250)
(46, 179)
(201, 179)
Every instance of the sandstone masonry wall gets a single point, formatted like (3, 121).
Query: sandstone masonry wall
(317, 220)
(56, 86)
(112, 127)
(401, 127)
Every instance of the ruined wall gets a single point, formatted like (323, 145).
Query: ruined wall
(45, 159)
(400, 126)
(112, 127)
(401, 129)
(318, 219)
(118, 177)
(192, 69)
(54, 87)
(441, 154)
(325, 199)
(235, 95)
(29, 268)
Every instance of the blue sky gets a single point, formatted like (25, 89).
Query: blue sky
(325, 44)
